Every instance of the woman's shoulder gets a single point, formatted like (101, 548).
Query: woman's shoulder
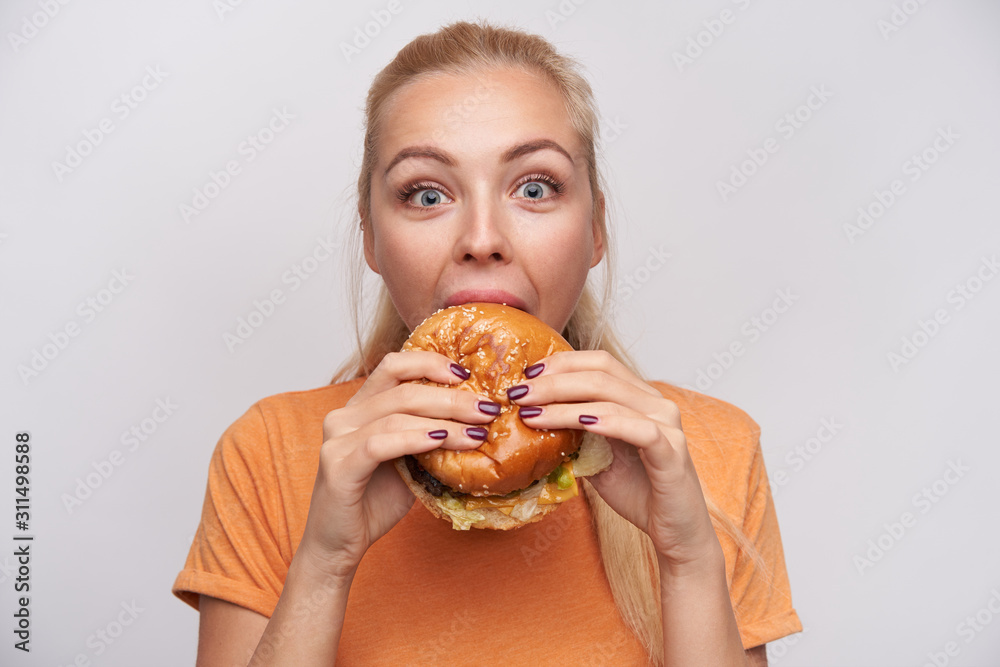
(279, 420)
(305, 402)
(724, 444)
(707, 410)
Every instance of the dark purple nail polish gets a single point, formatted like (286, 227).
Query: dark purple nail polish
(530, 411)
(588, 419)
(517, 392)
(489, 408)
(532, 371)
(439, 434)
(476, 432)
(459, 371)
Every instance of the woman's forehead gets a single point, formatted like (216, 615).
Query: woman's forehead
(482, 112)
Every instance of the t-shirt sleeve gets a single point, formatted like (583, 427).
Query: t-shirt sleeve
(760, 589)
(235, 555)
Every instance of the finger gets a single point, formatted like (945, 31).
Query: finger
(453, 403)
(398, 367)
(387, 488)
(611, 420)
(590, 386)
(625, 484)
(352, 464)
(584, 360)
(657, 451)
(447, 434)
(393, 437)
(623, 467)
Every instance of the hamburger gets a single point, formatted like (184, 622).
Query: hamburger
(519, 474)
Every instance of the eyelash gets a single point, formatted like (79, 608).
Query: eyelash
(404, 193)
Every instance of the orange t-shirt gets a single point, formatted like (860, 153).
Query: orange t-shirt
(427, 592)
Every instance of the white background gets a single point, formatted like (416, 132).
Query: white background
(673, 132)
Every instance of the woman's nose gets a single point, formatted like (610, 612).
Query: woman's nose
(483, 232)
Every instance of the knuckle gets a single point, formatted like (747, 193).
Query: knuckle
(675, 435)
(597, 378)
(462, 400)
(394, 363)
(370, 445)
(652, 431)
(408, 392)
(393, 423)
(330, 455)
(670, 409)
(333, 424)
(556, 356)
(605, 359)
(609, 408)
(390, 362)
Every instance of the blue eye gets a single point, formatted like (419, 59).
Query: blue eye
(430, 197)
(533, 190)
(533, 187)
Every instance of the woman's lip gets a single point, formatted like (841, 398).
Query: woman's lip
(487, 295)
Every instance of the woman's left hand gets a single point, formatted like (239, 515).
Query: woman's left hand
(652, 482)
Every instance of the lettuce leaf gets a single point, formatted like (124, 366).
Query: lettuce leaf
(461, 518)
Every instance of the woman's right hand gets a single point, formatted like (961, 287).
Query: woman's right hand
(358, 495)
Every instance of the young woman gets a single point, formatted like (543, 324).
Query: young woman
(480, 183)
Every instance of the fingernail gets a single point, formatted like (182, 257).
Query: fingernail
(476, 432)
(517, 392)
(459, 371)
(489, 408)
(588, 419)
(532, 371)
(439, 434)
(530, 411)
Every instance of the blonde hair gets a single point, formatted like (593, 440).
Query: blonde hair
(461, 48)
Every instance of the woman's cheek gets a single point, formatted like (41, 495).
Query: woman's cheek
(575, 244)
(409, 264)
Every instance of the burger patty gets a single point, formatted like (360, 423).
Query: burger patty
(421, 476)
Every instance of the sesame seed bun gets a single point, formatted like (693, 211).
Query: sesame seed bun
(482, 488)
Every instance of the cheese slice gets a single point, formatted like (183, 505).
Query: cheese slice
(550, 495)
(491, 502)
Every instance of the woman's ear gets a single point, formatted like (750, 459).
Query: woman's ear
(369, 241)
(598, 229)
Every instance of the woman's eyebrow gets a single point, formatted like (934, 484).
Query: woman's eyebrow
(508, 156)
(530, 147)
